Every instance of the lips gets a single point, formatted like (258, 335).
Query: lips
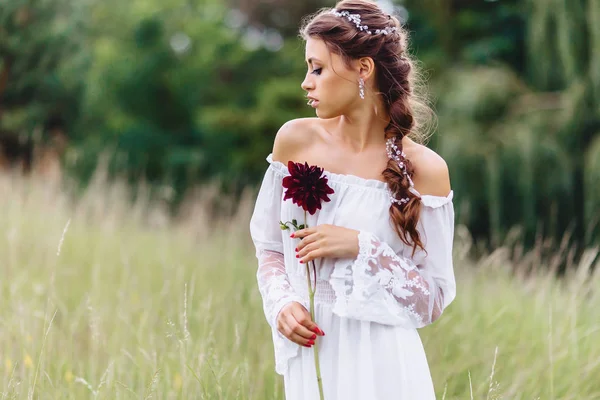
(312, 102)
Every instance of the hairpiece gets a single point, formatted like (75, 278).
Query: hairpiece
(355, 18)
(397, 155)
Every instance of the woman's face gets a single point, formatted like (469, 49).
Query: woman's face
(329, 81)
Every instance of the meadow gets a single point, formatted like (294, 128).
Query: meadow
(103, 298)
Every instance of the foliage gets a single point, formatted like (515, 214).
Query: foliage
(516, 122)
(179, 92)
(472, 31)
(181, 100)
(41, 65)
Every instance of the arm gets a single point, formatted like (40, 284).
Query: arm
(273, 283)
(383, 286)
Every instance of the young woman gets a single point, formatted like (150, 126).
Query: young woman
(383, 245)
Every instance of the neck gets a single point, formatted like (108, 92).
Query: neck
(363, 127)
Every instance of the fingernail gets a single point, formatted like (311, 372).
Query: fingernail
(301, 262)
(322, 333)
(297, 256)
(314, 337)
(296, 249)
(311, 342)
(292, 235)
(305, 345)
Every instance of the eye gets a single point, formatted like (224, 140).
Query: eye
(317, 71)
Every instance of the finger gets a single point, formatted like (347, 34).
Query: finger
(303, 232)
(289, 331)
(295, 327)
(312, 255)
(303, 318)
(301, 340)
(306, 241)
(302, 251)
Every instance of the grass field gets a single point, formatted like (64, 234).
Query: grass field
(138, 306)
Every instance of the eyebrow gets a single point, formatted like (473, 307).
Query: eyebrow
(311, 59)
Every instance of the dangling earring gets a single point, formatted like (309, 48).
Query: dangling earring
(361, 88)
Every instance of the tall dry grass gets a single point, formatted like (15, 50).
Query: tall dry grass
(107, 299)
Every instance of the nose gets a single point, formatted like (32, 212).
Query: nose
(307, 84)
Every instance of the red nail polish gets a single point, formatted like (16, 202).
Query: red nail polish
(311, 342)
(313, 337)
(305, 345)
(296, 249)
(301, 262)
(292, 235)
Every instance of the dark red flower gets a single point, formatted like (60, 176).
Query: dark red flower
(306, 187)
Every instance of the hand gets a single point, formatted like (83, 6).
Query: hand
(294, 323)
(326, 241)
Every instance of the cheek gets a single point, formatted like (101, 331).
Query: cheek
(337, 96)
(343, 91)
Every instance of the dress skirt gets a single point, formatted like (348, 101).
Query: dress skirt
(360, 360)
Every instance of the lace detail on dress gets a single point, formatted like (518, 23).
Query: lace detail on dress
(276, 292)
(383, 287)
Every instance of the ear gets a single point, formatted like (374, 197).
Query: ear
(366, 68)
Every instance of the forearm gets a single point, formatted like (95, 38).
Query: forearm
(274, 285)
(382, 286)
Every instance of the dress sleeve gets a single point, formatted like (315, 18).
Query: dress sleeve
(273, 283)
(383, 286)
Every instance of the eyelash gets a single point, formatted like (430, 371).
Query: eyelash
(317, 71)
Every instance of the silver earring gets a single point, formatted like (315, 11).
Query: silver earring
(361, 88)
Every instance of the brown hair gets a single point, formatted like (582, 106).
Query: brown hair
(397, 81)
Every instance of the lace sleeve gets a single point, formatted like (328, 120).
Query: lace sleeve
(385, 287)
(273, 283)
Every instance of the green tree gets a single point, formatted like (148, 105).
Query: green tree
(520, 126)
(42, 64)
(182, 97)
(566, 34)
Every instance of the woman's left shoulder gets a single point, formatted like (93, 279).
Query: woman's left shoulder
(431, 175)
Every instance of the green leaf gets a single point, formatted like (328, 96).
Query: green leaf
(283, 226)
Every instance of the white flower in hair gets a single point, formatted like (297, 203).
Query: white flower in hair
(397, 155)
(355, 18)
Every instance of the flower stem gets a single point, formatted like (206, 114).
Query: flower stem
(311, 295)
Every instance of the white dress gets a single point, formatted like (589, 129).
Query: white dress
(369, 307)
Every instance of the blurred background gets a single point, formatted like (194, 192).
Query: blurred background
(181, 92)
(183, 98)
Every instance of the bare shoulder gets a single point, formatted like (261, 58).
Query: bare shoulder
(294, 135)
(431, 172)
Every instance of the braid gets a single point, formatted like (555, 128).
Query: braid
(399, 171)
(405, 215)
